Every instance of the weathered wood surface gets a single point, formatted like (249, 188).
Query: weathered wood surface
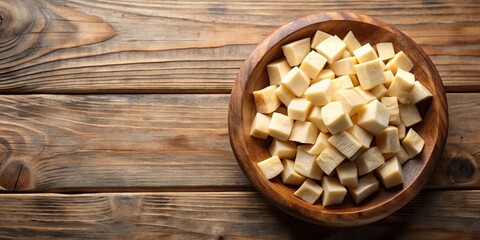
(80, 46)
(143, 142)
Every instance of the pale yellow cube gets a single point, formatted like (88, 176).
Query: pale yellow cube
(304, 132)
(318, 38)
(413, 143)
(342, 82)
(331, 48)
(271, 167)
(296, 81)
(329, 159)
(306, 165)
(367, 186)
(283, 149)
(265, 99)
(388, 78)
(385, 50)
(391, 173)
(351, 101)
(313, 64)
(402, 85)
(409, 114)
(344, 66)
(320, 93)
(419, 93)
(309, 192)
(399, 61)
(365, 53)
(387, 140)
(402, 130)
(277, 70)
(345, 143)
(280, 126)
(324, 74)
(284, 95)
(362, 136)
(366, 95)
(370, 74)
(369, 161)
(289, 175)
(320, 144)
(260, 125)
(296, 51)
(333, 191)
(299, 109)
(402, 155)
(351, 41)
(315, 117)
(373, 117)
(347, 174)
(379, 91)
(335, 118)
(392, 104)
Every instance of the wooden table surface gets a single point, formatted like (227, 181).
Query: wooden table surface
(113, 119)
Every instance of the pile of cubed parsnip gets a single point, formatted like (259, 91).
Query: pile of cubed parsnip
(340, 115)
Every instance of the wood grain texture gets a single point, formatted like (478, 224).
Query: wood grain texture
(91, 143)
(159, 46)
(221, 215)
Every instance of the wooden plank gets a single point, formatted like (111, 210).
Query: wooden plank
(90, 143)
(86, 46)
(221, 215)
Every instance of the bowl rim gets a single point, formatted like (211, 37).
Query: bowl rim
(340, 219)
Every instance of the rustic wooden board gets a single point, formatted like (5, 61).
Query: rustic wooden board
(81, 46)
(90, 143)
(221, 215)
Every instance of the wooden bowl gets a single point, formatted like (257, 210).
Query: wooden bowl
(249, 150)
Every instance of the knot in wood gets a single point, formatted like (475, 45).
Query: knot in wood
(462, 169)
(16, 17)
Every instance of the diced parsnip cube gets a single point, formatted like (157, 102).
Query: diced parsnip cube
(379, 91)
(324, 74)
(259, 127)
(284, 95)
(309, 192)
(362, 136)
(357, 154)
(335, 118)
(419, 93)
(329, 159)
(387, 140)
(369, 161)
(346, 54)
(365, 53)
(366, 95)
(347, 174)
(402, 155)
(373, 117)
(304, 132)
(385, 50)
(342, 82)
(388, 78)
(345, 143)
(402, 86)
(413, 143)
(315, 117)
(399, 61)
(351, 101)
(280, 126)
(299, 109)
(289, 175)
(312, 64)
(370, 74)
(351, 41)
(283, 149)
(277, 70)
(318, 38)
(296, 81)
(320, 93)
(391, 173)
(265, 99)
(367, 185)
(331, 48)
(306, 165)
(271, 167)
(409, 114)
(392, 104)
(320, 144)
(402, 130)
(333, 191)
(296, 51)
(344, 66)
